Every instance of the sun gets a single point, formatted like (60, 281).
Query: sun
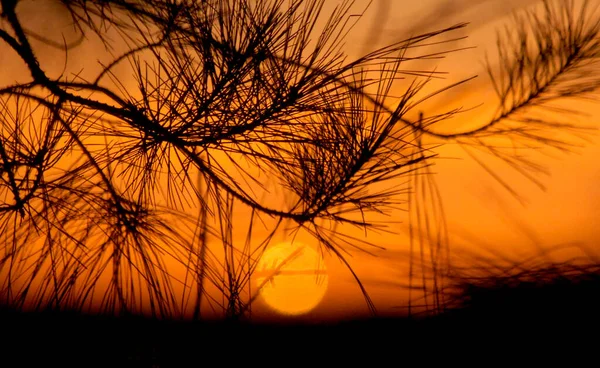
(292, 278)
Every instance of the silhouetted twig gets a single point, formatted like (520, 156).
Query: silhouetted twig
(98, 176)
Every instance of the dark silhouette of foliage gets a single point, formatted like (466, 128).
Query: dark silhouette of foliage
(98, 176)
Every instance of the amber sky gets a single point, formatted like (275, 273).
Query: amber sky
(481, 215)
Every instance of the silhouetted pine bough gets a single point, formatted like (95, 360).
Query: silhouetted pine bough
(99, 177)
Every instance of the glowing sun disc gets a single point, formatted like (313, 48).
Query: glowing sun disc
(292, 278)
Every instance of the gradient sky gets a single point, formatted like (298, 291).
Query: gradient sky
(481, 215)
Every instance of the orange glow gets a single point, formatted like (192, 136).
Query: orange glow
(482, 216)
(292, 278)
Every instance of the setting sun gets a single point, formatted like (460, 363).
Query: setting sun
(187, 178)
(292, 278)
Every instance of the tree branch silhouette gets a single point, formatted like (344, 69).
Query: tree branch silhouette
(97, 174)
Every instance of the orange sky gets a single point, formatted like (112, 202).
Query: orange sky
(480, 213)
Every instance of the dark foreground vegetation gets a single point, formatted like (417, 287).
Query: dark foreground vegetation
(504, 314)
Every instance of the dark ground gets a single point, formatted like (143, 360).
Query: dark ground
(495, 317)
